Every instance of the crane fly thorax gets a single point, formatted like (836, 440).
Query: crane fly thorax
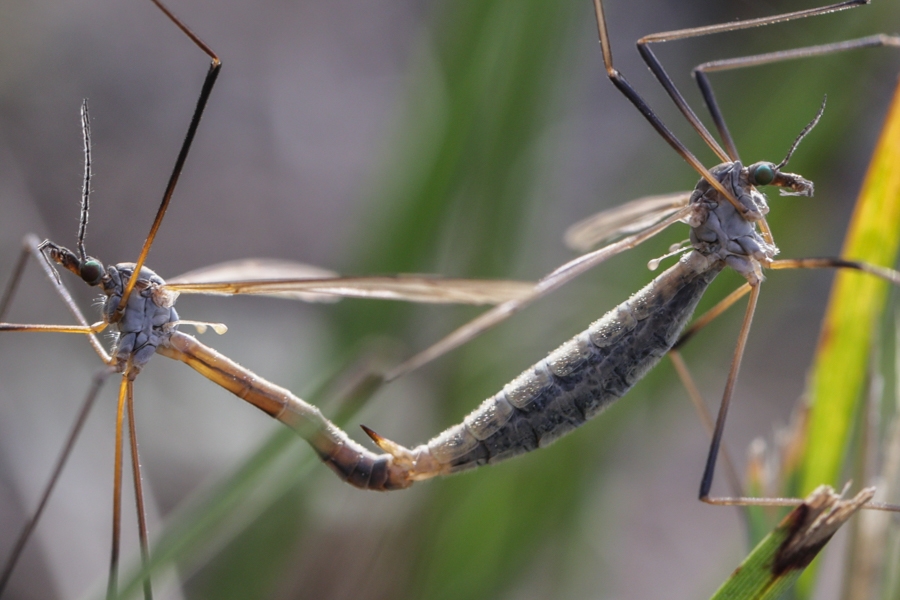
(719, 230)
(149, 316)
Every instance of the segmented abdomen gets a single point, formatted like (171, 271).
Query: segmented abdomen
(581, 377)
(570, 386)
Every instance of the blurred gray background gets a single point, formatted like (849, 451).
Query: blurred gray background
(329, 122)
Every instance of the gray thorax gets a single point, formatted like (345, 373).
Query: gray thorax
(719, 230)
(149, 317)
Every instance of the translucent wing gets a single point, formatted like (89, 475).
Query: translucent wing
(626, 219)
(298, 281)
(547, 284)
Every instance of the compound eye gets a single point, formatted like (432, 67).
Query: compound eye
(762, 174)
(91, 271)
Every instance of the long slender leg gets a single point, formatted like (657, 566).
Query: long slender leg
(33, 245)
(138, 487)
(112, 586)
(685, 376)
(700, 71)
(803, 263)
(696, 398)
(546, 285)
(656, 67)
(30, 247)
(808, 263)
(707, 317)
(889, 275)
(14, 279)
(688, 382)
(208, 83)
(579, 265)
(709, 470)
(623, 86)
(98, 380)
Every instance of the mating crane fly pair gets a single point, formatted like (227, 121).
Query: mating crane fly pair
(726, 214)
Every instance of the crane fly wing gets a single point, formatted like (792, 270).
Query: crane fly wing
(250, 269)
(297, 281)
(557, 278)
(218, 279)
(626, 219)
(412, 288)
(585, 262)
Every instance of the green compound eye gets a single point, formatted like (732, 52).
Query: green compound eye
(91, 271)
(762, 174)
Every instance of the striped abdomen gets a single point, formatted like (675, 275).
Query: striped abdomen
(580, 378)
(570, 386)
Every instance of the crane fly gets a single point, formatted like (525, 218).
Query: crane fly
(462, 447)
(139, 306)
(582, 377)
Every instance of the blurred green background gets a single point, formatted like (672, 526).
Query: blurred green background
(459, 138)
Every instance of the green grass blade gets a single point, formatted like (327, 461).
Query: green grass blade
(839, 375)
(855, 307)
(779, 559)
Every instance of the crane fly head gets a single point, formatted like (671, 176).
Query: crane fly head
(791, 184)
(766, 173)
(89, 269)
